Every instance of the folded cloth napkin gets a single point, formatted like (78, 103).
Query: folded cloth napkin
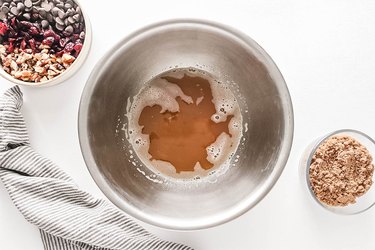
(68, 218)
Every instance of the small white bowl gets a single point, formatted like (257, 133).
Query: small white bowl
(69, 72)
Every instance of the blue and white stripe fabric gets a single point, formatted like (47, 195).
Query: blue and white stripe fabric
(68, 218)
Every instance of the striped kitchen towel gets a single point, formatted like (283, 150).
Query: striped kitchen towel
(68, 218)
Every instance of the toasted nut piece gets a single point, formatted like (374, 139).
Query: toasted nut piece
(18, 74)
(43, 79)
(66, 58)
(13, 65)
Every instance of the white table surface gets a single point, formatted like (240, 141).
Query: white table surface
(326, 52)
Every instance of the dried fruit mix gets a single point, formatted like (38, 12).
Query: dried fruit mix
(40, 39)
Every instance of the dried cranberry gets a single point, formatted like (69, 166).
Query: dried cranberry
(32, 44)
(11, 47)
(49, 41)
(49, 33)
(38, 26)
(57, 38)
(14, 22)
(10, 28)
(63, 41)
(78, 47)
(75, 37)
(23, 44)
(3, 28)
(60, 53)
(34, 31)
(24, 34)
(69, 47)
(12, 34)
(25, 24)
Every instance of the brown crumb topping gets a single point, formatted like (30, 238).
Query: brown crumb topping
(341, 170)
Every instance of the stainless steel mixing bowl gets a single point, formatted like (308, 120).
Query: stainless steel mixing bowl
(225, 53)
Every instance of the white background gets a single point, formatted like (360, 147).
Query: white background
(326, 52)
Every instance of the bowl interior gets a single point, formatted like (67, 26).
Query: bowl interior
(231, 57)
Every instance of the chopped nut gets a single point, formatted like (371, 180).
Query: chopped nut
(2, 49)
(34, 77)
(43, 79)
(66, 58)
(45, 56)
(18, 74)
(26, 73)
(28, 56)
(52, 73)
(13, 65)
(6, 62)
(38, 56)
(39, 69)
(36, 67)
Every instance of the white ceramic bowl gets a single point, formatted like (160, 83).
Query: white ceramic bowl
(68, 72)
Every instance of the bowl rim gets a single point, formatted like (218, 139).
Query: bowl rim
(229, 214)
(306, 168)
(69, 72)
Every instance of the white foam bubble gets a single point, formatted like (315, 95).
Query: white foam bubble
(169, 170)
(217, 151)
(246, 127)
(161, 93)
(199, 100)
